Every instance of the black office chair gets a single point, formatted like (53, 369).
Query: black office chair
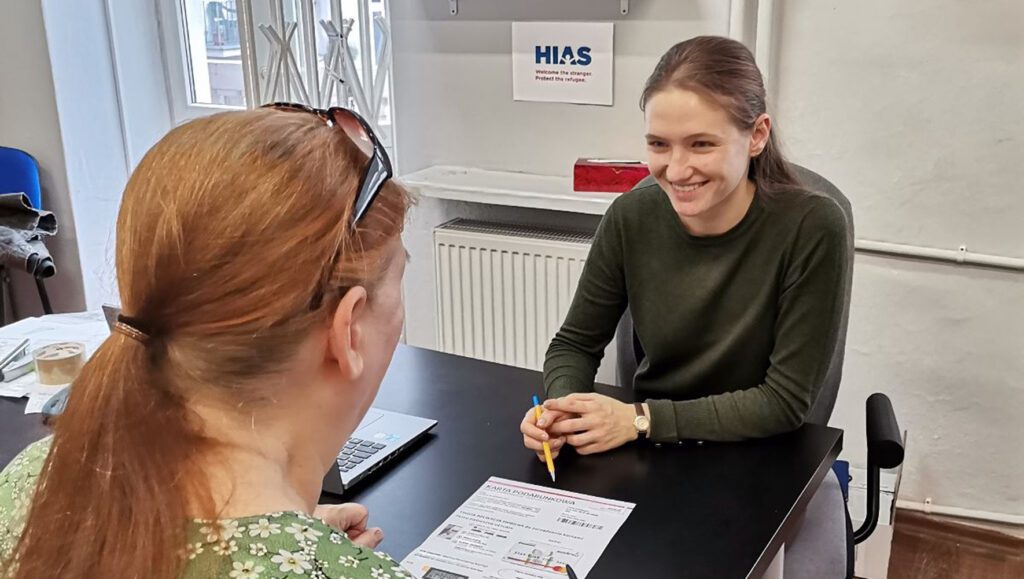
(885, 446)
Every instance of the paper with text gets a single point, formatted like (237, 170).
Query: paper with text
(513, 530)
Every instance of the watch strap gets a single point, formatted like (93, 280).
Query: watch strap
(640, 413)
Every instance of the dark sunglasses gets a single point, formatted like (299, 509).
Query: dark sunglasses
(358, 131)
(377, 172)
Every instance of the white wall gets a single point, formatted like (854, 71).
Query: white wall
(911, 108)
(28, 121)
(141, 80)
(453, 87)
(453, 78)
(112, 104)
(90, 117)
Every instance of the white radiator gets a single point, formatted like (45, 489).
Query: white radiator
(503, 290)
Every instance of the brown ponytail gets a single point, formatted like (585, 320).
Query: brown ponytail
(120, 456)
(227, 229)
(726, 70)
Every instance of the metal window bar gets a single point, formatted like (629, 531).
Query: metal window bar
(293, 70)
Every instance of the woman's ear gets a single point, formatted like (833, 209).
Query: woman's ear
(346, 339)
(759, 136)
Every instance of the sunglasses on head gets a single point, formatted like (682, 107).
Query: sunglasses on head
(378, 171)
(358, 131)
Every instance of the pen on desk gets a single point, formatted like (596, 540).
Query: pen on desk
(547, 447)
(14, 354)
(568, 569)
(17, 368)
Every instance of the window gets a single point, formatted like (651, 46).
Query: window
(214, 53)
(232, 54)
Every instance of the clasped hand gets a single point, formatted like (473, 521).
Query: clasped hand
(589, 422)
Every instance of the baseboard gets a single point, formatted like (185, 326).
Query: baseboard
(932, 547)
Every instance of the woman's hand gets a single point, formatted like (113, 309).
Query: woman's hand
(599, 423)
(535, 432)
(351, 519)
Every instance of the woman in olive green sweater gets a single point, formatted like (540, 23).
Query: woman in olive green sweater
(259, 264)
(733, 272)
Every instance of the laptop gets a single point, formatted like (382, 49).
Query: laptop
(380, 437)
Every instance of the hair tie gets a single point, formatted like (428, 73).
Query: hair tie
(131, 328)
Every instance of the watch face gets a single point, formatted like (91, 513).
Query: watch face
(642, 423)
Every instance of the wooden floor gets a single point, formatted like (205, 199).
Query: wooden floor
(928, 547)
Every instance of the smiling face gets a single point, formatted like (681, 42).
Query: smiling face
(701, 158)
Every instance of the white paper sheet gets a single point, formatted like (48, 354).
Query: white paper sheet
(513, 530)
(36, 401)
(89, 328)
(19, 387)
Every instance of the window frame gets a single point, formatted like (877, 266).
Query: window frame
(175, 53)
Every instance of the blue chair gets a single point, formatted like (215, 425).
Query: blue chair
(19, 173)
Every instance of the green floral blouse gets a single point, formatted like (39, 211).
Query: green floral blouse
(271, 546)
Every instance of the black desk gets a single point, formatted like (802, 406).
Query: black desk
(714, 510)
(17, 429)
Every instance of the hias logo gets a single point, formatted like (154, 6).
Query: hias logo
(563, 55)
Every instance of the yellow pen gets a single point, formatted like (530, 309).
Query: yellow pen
(547, 447)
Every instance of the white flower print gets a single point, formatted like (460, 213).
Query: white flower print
(291, 562)
(303, 532)
(337, 538)
(257, 549)
(379, 574)
(247, 570)
(264, 529)
(193, 550)
(383, 555)
(212, 533)
(229, 530)
(225, 547)
(399, 572)
(348, 561)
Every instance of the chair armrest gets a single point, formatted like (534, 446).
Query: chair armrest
(885, 450)
(885, 445)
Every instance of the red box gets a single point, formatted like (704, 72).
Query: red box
(607, 176)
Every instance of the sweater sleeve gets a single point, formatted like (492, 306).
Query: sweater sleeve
(575, 352)
(806, 333)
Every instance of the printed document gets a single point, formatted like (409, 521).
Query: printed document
(513, 530)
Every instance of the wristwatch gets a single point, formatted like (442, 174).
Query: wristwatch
(642, 423)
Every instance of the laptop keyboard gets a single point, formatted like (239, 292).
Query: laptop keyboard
(355, 452)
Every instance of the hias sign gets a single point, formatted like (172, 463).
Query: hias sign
(563, 55)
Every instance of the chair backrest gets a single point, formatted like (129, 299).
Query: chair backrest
(19, 173)
(630, 352)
